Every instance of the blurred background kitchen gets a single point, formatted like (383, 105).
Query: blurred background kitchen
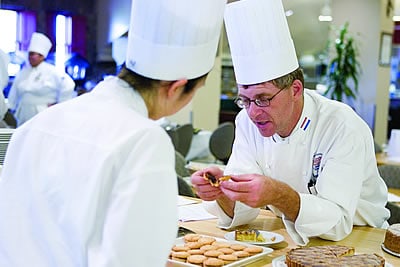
(90, 38)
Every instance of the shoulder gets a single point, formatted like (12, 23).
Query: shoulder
(335, 116)
(331, 109)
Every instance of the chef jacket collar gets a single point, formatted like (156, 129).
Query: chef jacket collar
(303, 125)
(127, 96)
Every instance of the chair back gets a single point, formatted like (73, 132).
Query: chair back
(221, 141)
(184, 189)
(181, 137)
(180, 165)
(5, 136)
(391, 175)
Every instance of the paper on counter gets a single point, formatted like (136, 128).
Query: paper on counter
(393, 198)
(194, 212)
(185, 201)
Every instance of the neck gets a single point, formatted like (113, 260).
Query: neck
(296, 115)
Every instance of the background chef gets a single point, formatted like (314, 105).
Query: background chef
(309, 159)
(39, 84)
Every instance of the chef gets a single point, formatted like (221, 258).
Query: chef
(309, 159)
(39, 84)
(91, 181)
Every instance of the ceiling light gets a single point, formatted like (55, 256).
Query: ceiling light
(326, 12)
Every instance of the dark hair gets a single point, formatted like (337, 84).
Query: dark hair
(287, 80)
(142, 83)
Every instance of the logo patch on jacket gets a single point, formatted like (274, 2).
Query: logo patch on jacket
(316, 164)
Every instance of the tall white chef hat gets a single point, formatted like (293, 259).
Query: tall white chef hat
(40, 43)
(174, 39)
(259, 39)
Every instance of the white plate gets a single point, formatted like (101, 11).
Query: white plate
(280, 262)
(389, 251)
(243, 262)
(277, 238)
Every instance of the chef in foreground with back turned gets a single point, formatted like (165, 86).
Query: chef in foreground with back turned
(91, 181)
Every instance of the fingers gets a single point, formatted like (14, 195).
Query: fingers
(203, 187)
(198, 176)
(241, 178)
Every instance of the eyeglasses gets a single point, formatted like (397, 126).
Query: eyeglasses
(263, 101)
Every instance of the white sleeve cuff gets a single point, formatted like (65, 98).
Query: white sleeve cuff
(243, 214)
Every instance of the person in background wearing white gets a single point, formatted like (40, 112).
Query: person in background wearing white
(39, 84)
(309, 159)
(91, 181)
(4, 60)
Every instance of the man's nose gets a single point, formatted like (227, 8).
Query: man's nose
(253, 110)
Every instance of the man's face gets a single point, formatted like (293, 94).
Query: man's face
(273, 118)
(35, 58)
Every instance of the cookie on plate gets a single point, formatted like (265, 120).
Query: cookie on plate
(228, 258)
(191, 237)
(226, 250)
(241, 254)
(213, 262)
(180, 248)
(253, 250)
(238, 247)
(212, 253)
(196, 259)
(180, 255)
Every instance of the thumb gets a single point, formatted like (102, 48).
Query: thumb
(240, 177)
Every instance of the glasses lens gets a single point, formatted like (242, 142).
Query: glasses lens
(240, 102)
(262, 102)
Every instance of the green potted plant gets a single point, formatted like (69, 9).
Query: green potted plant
(344, 67)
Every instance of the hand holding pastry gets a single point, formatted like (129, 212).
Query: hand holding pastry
(206, 188)
(214, 181)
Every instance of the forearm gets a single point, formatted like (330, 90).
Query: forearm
(286, 200)
(227, 205)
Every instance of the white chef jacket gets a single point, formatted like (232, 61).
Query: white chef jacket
(35, 88)
(89, 182)
(330, 144)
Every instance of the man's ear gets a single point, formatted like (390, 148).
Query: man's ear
(297, 88)
(176, 87)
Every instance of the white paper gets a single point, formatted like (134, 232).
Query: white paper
(194, 212)
(185, 201)
(393, 197)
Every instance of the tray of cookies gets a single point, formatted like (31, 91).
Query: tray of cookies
(202, 250)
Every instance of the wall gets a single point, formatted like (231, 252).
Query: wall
(366, 24)
(382, 95)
